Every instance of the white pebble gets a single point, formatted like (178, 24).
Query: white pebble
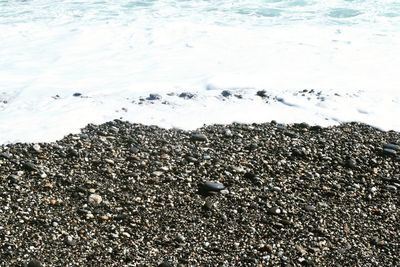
(95, 199)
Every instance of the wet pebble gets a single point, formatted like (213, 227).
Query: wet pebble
(212, 187)
(389, 152)
(391, 146)
(198, 137)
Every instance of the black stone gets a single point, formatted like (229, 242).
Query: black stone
(302, 125)
(186, 95)
(13, 179)
(226, 93)
(29, 166)
(154, 97)
(208, 187)
(298, 153)
(120, 217)
(165, 264)
(73, 153)
(262, 93)
(351, 163)
(250, 176)
(316, 128)
(77, 94)
(291, 134)
(198, 137)
(34, 263)
(391, 146)
(389, 152)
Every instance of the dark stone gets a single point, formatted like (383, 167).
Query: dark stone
(302, 125)
(191, 159)
(391, 146)
(154, 97)
(208, 187)
(29, 166)
(13, 179)
(310, 208)
(389, 152)
(291, 134)
(351, 163)
(226, 93)
(34, 263)
(120, 217)
(186, 95)
(262, 93)
(316, 128)
(198, 137)
(250, 175)
(77, 94)
(298, 153)
(73, 153)
(165, 264)
(253, 178)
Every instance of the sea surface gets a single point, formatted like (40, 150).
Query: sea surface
(64, 64)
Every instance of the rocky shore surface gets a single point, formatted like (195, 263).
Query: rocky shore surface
(122, 194)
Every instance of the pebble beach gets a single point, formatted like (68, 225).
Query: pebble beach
(123, 194)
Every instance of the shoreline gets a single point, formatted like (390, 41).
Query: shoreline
(122, 194)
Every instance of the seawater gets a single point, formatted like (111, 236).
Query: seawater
(113, 50)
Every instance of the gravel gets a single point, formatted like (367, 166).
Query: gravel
(122, 194)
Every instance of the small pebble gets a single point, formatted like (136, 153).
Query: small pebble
(95, 199)
(228, 133)
(37, 148)
(274, 210)
(69, 241)
(310, 208)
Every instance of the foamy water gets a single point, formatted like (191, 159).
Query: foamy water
(116, 53)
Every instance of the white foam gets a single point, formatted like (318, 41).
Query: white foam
(115, 53)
